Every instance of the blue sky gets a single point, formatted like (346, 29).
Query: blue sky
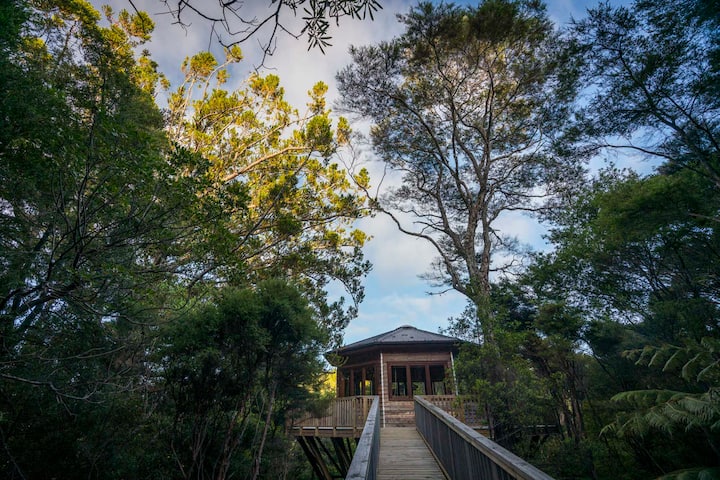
(394, 294)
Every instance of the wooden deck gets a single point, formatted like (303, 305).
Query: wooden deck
(404, 456)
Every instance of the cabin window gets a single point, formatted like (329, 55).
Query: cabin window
(357, 381)
(369, 381)
(399, 381)
(437, 379)
(417, 375)
(345, 381)
(417, 379)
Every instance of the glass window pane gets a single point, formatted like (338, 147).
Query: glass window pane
(358, 382)
(345, 383)
(370, 381)
(417, 375)
(437, 379)
(399, 381)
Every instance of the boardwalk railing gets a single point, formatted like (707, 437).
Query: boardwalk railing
(345, 417)
(465, 409)
(365, 461)
(463, 453)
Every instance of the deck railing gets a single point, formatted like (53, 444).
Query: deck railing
(345, 417)
(465, 409)
(463, 453)
(365, 460)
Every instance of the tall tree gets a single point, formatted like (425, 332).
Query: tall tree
(302, 203)
(653, 72)
(86, 238)
(466, 111)
(94, 230)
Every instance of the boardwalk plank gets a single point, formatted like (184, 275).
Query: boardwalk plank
(404, 456)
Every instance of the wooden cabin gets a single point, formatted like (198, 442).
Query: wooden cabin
(396, 366)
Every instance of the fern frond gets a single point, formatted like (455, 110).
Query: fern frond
(646, 355)
(657, 419)
(691, 366)
(701, 473)
(647, 398)
(711, 344)
(661, 355)
(667, 410)
(635, 425)
(699, 405)
(710, 373)
(675, 360)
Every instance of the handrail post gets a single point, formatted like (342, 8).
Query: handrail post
(354, 413)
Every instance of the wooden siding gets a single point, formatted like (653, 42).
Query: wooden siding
(422, 357)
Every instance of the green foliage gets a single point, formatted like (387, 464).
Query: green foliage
(234, 366)
(635, 259)
(566, 459)
(641, 247)
(303, 202)
(85, 239)
(697, 363)
(107, 230)
(653, 66)
(459, 111)
(512, 400)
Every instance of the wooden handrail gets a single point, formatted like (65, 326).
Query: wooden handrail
(365, 460)
(464, 453)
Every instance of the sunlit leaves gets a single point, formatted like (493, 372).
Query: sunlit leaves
(199, 66)
(302, 202)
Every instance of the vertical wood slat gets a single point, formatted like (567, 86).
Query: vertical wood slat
(344, 417)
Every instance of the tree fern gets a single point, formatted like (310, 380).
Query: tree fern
(670, 411)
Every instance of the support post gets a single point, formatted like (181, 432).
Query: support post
(316, 460)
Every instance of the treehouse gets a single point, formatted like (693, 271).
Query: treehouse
(397, 416)
(397, 366)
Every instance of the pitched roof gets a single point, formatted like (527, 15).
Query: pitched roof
(404, 335)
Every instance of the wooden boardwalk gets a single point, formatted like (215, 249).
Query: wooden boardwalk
(404, 456)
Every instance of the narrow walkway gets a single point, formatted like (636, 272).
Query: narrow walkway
(404, 456)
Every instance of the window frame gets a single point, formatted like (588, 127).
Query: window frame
(408, 378)
(350, 381)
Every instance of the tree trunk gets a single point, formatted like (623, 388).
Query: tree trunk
(268, 416)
